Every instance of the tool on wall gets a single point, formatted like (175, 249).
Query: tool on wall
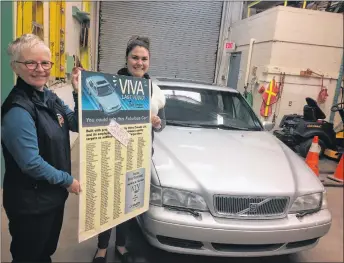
(77, 62)
(84, 32)
(270, 96)
(281, 86)
(322, 96)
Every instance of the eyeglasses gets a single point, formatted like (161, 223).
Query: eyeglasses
(33, 64)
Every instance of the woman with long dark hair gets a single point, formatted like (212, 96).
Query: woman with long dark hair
(137, 64)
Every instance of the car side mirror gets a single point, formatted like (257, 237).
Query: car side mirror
(268, 125)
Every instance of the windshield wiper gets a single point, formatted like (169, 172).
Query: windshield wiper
(183, 209)
(224, 127)
(182, 124)
(212, 126)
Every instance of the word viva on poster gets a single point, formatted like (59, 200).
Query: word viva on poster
(131, 89)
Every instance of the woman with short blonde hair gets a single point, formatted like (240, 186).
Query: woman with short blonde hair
(36, 147)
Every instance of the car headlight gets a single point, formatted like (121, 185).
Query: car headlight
(176, 198)
(311, 202)
(155, 195)
(324, 201)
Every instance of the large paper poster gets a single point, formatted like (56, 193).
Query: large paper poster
(115, 150)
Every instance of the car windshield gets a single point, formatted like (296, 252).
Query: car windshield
(208, 108)
(104, 90)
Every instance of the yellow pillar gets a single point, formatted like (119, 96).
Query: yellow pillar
(37, 19)
(19, 23)
(62, 32)
(84, 51)
(29, 18)
(53, 41)
(57, 37)
(24, 17)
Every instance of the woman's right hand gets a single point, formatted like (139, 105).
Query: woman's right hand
(156, 122)
(75, 78)
(75, 187)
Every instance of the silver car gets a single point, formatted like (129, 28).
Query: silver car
(103, 94)
(222, 185)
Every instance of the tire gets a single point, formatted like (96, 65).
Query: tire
(305, 145)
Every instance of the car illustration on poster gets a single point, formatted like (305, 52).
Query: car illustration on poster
(103, 94)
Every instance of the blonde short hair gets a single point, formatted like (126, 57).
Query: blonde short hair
(23, 42)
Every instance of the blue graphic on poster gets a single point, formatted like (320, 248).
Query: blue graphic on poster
(114, 96)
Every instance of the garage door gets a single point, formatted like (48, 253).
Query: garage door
(184, 36)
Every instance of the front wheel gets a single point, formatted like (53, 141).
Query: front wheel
(306, 145)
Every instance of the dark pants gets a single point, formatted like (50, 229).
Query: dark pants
(122, 234)
(35, 237)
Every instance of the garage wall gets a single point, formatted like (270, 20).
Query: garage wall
(290, 40)
(184, 36)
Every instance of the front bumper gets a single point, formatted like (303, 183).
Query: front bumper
(181, 232)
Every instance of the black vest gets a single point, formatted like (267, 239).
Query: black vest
(21, 193)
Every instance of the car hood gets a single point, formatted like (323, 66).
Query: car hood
(230, 162)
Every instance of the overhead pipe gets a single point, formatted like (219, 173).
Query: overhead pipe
(304, 4)
(250, 6)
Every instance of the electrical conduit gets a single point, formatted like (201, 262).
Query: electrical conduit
(249, 97)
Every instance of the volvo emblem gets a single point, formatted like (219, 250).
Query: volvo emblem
(253, 207)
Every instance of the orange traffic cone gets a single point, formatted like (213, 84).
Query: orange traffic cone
(312, 158)
(339, 173)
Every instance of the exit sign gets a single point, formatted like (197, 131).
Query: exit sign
(230, 46)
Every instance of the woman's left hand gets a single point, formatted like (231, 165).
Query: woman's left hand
(156, 121)
(75, 78)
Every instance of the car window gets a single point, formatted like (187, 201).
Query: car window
(104, 90)
(189, 96)
(203, 106)
(101, 82)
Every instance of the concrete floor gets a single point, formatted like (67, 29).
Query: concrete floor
(329, 249)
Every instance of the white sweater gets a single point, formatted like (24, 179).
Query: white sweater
(158, 99)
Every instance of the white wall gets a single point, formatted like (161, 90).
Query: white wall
(72, 29)
(290, 40)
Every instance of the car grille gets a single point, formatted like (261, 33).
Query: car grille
(250, 207)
